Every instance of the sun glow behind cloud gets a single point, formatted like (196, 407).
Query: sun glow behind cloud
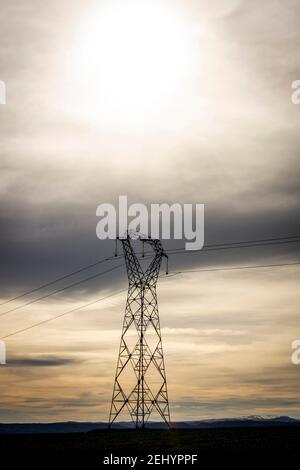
(131, 63)
(60, 161)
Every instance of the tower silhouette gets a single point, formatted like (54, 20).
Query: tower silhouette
(141, 352)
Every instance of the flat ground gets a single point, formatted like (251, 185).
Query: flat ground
(282, 441)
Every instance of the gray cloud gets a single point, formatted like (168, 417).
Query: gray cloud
(240, 159)
(40, 361)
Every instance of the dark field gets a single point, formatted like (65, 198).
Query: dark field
(256, 442)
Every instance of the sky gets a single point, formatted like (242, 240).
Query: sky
(162, 101)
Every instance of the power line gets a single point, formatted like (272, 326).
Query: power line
(245, 244)
(73, 310)
(231, 268)
(62, 289)
(62, 314)
(172, 274)
(66, 287)
(274, 239)
(58, 279)
(240, 244)
(212, 247)
(230, 246)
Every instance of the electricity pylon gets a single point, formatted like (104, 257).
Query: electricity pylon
(145, 393)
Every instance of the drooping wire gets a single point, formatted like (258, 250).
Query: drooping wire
(61, 290)
(209, 247)
(50, 283)
(172, 274)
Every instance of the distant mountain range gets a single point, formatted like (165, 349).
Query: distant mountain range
(73, 427)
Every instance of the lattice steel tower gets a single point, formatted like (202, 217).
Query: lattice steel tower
(141, 352)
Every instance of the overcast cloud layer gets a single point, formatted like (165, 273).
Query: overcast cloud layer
(232, 143)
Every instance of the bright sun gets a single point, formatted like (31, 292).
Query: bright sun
(131, 61)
